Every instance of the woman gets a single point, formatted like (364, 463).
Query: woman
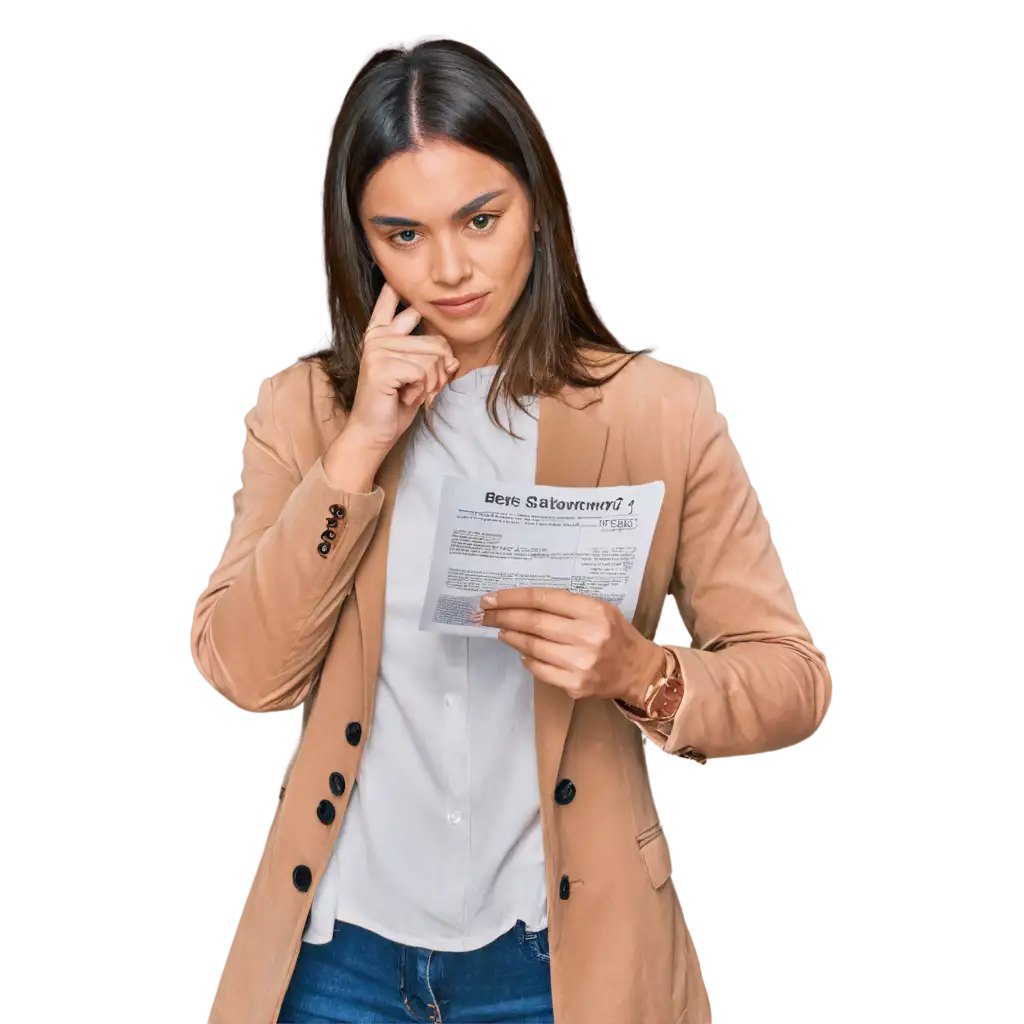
(505, 861)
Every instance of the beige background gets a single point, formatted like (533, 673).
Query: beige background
(157, 251)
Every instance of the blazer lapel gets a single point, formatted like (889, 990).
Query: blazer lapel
(571, 441)
(371, 572)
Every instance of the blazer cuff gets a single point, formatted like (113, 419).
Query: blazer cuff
(657, 732)
(309, 506)
(308, 581)
(661, 731)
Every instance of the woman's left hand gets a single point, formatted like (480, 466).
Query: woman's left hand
(578, 642)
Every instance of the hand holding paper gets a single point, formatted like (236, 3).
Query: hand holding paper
(580, 643)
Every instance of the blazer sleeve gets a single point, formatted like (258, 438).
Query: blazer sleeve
(262, 625)
(753, 679)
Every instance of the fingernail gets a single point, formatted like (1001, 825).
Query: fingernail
(488, 600)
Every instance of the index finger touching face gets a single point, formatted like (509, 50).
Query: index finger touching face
(384, 308)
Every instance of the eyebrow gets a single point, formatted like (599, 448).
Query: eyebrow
(463, 211)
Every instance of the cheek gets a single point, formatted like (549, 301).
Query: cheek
(511, 267)
(400, 274)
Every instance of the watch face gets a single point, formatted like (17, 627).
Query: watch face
(666, 700)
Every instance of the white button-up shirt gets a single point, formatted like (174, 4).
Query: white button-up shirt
(441, 844)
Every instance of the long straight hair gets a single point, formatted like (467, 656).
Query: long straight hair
(447, 90)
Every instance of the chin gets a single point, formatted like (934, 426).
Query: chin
(470, 331)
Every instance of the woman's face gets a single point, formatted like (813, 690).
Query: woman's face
(447, 221)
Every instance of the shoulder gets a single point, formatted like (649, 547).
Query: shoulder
(301, 388)
(297, 403)
(302, 398)
(645, 381)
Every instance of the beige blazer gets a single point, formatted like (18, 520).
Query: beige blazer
(280, 625)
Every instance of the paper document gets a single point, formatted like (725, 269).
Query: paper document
(492, 535)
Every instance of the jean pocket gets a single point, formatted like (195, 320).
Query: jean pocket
(534, 945)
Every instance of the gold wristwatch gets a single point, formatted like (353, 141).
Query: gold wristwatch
(661, 701)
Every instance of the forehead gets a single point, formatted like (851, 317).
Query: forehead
(432, 182)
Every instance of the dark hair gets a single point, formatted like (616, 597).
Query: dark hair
(444, 89)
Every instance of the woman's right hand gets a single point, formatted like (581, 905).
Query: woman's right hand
(398, 371)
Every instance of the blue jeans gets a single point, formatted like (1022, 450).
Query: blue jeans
(364, 978)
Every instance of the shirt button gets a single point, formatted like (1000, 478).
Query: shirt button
(449, 700)
(455, 817)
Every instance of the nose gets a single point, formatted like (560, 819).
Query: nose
(451, 264)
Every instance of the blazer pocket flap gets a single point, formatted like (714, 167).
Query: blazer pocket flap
(657, 859)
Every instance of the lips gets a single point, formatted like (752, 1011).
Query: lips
(459, 300)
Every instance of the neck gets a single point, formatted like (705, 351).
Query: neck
(473, 355)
